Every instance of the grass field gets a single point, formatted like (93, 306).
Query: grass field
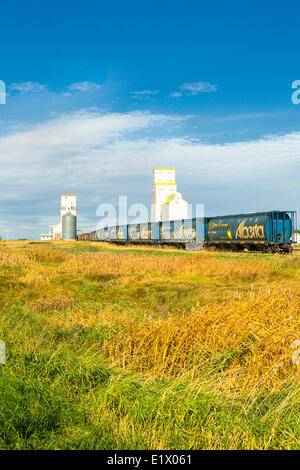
(139, 348)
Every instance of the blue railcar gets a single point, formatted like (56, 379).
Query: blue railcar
(182, 231)
(100, 234)
(267, 231)
(155, 232)
(122, 234)
(93, 236)
(167, 231)
(188, 231)
(264, 231)
(112, 233)
(105, 234)
(134, 232)
(200, 229)
(145, 231)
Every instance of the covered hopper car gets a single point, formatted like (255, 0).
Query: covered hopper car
(270, 232)
(266, 231)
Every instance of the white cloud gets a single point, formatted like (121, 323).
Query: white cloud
(84, 87)
(198, 87)
(141, 94)
(194, 88)
(100, 156)
(35, 87)
(175, 94)
(27, 87)
(245, 116)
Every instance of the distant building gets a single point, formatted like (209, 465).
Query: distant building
(67, 205)
(46, 236)
(167, 203)
(174, 208)
(56, 230)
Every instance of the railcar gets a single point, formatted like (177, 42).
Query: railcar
(264, 231)
(270, 232)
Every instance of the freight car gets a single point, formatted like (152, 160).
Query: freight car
(270, 232)
(265, 231)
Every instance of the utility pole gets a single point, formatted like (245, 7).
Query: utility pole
(6, 231)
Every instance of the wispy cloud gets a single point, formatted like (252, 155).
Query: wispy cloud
(175, 94)
(35, 87)
(198, 87)
(141, 94)
(194, 88)
(245, 116)
(27, 87)
(84, 87)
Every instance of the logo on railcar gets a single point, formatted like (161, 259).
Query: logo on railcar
(213, 225)
(121, 235)
(186, 233)
(134, 232)
(251, 231)
(145, 233)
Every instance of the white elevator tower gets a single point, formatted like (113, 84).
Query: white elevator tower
(68, 204)
(167, 203)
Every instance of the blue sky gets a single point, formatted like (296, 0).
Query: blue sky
(99, 93)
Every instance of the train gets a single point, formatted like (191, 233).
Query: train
(269, 232)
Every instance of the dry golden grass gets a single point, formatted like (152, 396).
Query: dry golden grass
(11, 257)
(38, 277)
(43, 255)
(204, 264)
(251, 339)
(44, 304)
(89, 316)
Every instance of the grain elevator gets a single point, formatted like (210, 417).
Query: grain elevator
(167, 203)
(66, 228)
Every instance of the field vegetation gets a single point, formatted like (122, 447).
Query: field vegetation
(145, 348)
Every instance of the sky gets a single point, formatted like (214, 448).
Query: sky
(100, 93)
